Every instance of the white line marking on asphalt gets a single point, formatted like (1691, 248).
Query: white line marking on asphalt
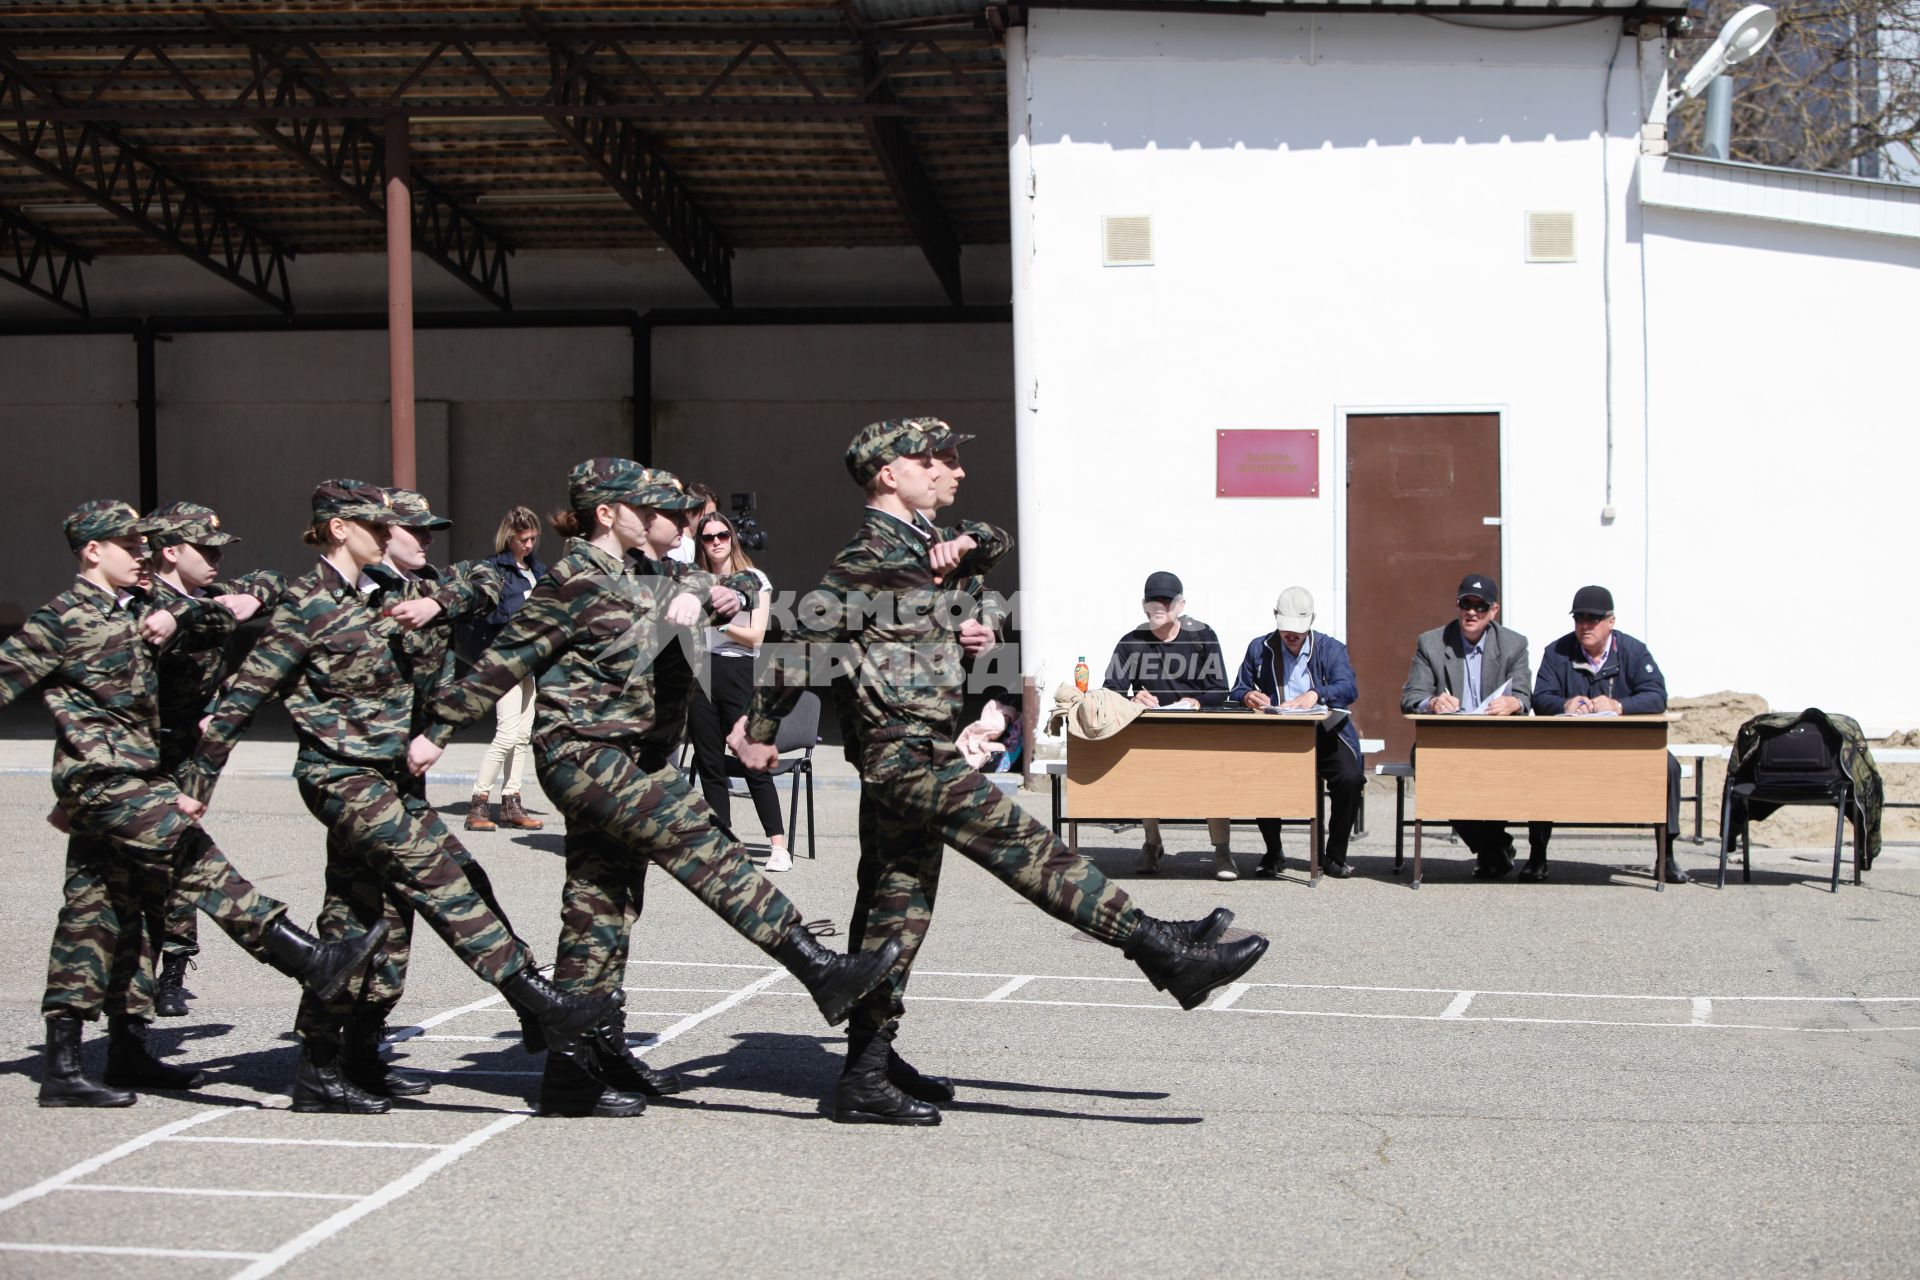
(314, 1142)
(421, 1028)
(400, 1186)
(715, 1009)
(1458, 1009)
(1233, 992)
(1702, 1011)
(126, 1251)
(205, 1191)
(127, 1148)
(1006, 989)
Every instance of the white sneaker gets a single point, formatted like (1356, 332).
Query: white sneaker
(1150, 857)
(1223, 864)
(778, 860)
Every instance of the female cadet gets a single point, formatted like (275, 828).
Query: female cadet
(338, 662)
(602, 633)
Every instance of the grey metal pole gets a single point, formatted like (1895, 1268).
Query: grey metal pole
(1717, 133)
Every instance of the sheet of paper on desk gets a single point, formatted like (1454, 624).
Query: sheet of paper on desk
(1335, 717)
(1489, 700)
(1587, 715)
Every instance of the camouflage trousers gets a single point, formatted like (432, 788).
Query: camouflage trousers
(131, 851)
(181, 932)
(356, 896)
(386, 844)
(926, 796)
(620, 813)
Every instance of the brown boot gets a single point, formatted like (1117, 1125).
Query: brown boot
(478, 816)
(512, 815)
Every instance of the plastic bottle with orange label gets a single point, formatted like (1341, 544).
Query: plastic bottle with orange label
(1080, 673)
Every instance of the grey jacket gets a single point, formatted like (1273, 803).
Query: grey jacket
(1440, 666)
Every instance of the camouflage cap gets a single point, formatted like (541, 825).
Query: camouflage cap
(101, 519)
(411, 509)
(187, 522)
(879, 443)
(947, 438)
(599, 480)
(351, 500)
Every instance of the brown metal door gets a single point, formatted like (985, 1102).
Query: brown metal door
(1420, 490)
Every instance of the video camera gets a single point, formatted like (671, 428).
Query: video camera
(746, 529)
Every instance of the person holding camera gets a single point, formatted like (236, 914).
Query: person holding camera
(731, 650)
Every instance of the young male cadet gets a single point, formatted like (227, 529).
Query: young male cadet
(1296, 666)
(1460, 667)
(878, 605)
(1595, 670)
(1172, 660)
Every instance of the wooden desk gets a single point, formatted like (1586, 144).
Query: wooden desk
(1590, 770)
(1199, 764)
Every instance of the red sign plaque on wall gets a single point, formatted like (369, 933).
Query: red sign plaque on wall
(1268, 464)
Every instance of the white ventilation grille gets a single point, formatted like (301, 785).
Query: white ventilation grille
(1550, 237)
(1127, 241)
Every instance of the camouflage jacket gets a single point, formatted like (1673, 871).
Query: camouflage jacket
(468, 590)
(879, 613)
(192, 668)
(1844, 739)
(594, 634)
(342, 666)
(99, 680)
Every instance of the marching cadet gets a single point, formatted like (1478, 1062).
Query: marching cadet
(355, 1020)
(908, 686)
(185, 549)
(341, 667)
(603, 633)
(137, 838)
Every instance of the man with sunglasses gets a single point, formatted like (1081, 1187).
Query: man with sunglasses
(1461, 667)
(1595, 670)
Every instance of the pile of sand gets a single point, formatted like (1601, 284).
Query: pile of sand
(1716, 718)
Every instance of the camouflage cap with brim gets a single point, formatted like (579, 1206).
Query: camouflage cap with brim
(411, 509)
(599, 480)
(183, 523)
(947, 438)
(101, 519)
(351, 500)
(879, 443)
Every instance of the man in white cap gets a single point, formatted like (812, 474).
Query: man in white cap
(1296, 666)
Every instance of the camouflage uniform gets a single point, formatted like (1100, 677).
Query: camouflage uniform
(881, 610)
(357, 894)
(614, 684)
(131, 844)
(192, 668)
(348, 680)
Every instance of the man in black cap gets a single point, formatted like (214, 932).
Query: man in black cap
(1595, 670)
(1168, 660)
(1475, 665)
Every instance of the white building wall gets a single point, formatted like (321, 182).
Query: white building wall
(1338, 205)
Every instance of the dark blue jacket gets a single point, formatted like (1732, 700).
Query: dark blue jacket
(476, 637)
(1327, 664)
(1631, 677)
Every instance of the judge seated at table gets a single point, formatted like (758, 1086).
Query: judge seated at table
(1172, 661)
(1296, 666)
(1596, 670)
(1475, 665)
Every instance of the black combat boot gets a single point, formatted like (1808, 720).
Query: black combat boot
(567, 1023)
(1175, 964)
(1212, 925)
(169, 989)
(321, 967)
(908, 1079)
(320, 1085)
(837, 982)
(613, 1062)
(865, 1095)
(129, 1063)
(62, 1082)
(567, 1090)
(366, 1070)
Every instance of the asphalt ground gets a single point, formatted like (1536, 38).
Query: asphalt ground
(1576, 1078)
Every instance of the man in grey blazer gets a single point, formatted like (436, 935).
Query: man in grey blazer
(1464, 665)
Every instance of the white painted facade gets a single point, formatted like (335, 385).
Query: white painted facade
(1338, 205)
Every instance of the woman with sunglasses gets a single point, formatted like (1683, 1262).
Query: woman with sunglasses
(723, 697)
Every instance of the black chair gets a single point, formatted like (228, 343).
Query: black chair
(1798, 763)
(799, 732)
